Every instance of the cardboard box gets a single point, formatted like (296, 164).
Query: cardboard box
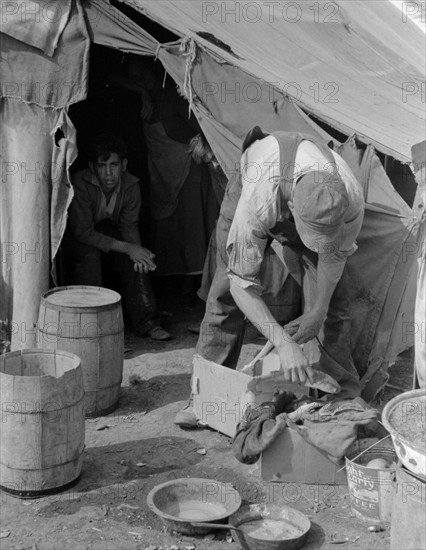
(221, 396)
(291, 459)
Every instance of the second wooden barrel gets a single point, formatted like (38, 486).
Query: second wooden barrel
(42, 421)
(87, 321)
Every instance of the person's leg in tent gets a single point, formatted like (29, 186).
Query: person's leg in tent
(222, 329)
(83, 263)
(135, 288)
(418, 152)
(221, 335)
(138, 298)
(420, 322)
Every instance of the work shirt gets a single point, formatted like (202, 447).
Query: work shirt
(262, 205)
(90, 206)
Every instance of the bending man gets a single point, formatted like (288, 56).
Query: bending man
(292, 189)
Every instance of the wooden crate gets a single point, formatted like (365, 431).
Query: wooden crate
(221, 396)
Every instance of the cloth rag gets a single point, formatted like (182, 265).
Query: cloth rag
(331, 427)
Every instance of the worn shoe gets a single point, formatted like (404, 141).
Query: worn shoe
(158, 333)
(186, 418)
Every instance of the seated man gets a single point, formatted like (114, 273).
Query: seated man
(103, 245)
(292, 189)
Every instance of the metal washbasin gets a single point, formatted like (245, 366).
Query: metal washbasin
(182, 502)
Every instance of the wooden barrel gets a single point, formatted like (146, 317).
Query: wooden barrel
(87, 321)
(42, 421)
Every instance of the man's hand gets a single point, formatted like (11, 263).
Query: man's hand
(142, 268)
(294, 364)
(306, 327)
(142, 257)
(147, 105)
(294, 368)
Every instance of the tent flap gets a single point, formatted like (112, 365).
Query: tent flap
(348, 63)
(37, 23)
(107, 26)
(57, 81)
(40, 79)
(224, 116)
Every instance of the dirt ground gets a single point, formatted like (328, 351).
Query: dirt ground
(138, 446)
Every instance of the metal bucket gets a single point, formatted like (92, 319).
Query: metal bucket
(408, 531)
(412, 406)
(372, 490)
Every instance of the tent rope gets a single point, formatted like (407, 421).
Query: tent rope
(157, 50)
(188, 49)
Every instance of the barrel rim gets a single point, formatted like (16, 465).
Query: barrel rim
(78, 309)
(39, 351)
(29, 494)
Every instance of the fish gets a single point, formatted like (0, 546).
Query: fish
(275, 380)
(268, 359)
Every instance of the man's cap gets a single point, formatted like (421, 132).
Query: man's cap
(320, 202)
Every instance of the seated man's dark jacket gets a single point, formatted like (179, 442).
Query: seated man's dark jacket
(84, 210)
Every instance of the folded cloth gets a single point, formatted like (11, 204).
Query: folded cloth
(259, 427)
(331, 427)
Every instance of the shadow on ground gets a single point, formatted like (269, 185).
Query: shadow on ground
(123, 472)
(147, 395)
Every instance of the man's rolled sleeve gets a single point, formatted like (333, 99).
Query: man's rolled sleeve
(245, 248)
(82, 225)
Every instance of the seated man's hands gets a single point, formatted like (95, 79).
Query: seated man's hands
(306, 327)
(142, 258)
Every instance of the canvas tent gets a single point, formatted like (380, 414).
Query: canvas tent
(357, 67)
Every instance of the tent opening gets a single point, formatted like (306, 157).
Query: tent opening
(180, 204)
